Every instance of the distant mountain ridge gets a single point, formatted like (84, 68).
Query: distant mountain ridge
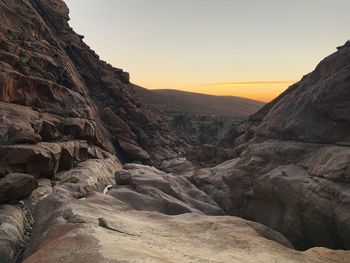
(182, 102)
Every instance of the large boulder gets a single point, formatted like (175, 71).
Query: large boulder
(15, 187)
(147, 188)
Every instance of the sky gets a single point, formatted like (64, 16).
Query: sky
(248, 48)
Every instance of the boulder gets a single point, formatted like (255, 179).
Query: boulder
(15, 187)
(133, 151)
(88, 176)
(16, 124)
(39, 160)
(147, 188)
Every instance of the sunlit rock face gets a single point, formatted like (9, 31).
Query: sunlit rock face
(45, 66)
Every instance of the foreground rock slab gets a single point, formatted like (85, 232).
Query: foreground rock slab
(147, 188)
(101, 228)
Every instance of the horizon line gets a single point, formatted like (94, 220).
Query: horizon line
(250, 83)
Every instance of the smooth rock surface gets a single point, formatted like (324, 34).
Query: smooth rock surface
(147, 188)
(103, 229)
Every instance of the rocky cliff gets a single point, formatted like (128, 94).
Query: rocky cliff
(73, 189)
(293, 169)
(66, 91)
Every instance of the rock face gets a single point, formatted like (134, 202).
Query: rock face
(315, 109)
(11, 232)
(101, 228)
(69, 121)
(293, 169)
(299, 189)
(53, 87)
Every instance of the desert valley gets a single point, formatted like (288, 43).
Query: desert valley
(94, 168)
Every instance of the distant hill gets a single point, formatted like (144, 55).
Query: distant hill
(175, 102)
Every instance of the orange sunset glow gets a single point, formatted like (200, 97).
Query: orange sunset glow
(258, 90)
(231, 48)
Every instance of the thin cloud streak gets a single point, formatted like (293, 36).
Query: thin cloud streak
(247, 83)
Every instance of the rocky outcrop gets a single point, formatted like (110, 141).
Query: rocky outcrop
(101, 228)
(315, 109)
(46, 159)
(299, 189)
(53, 88)
(11, 232)
(292, 173)
(69, 120)
(147, 188)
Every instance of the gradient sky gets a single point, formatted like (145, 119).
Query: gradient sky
(249, 48)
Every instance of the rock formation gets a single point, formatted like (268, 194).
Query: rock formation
(66, 92)
(70, 126)
(293, 169)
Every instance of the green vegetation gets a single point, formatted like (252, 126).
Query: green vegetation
(72, 180)
(22, 61)
(56, 181)
(207, 129)
(6, 139)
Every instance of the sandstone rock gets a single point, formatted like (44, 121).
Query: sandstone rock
(46, 159)
(48, 131)
(91, 175)
(15, 187)
(43, 190)
(103, 229)
(11, 232)
(33, 159)
(16, 124)
(299, 189)
(294, 188)
(47, 67)
(179, 166)
(146, 188)
(315, 109)
(210, 181)
(133, 151)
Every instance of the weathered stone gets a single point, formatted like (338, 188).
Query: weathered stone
(298, 189)
(11, 232)
(147, 188)
(15, 187)
(88, 176)
(102, 229)
(49, 131)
